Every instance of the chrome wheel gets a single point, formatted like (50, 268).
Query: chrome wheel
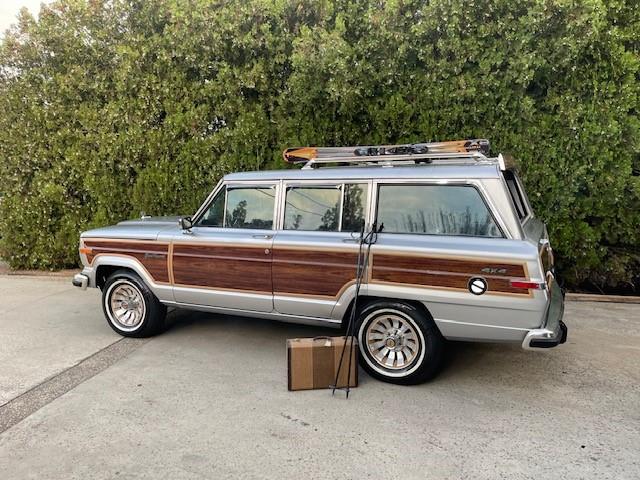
(393, 343)
(125, 305)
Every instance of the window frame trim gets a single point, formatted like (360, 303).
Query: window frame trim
(504, 232)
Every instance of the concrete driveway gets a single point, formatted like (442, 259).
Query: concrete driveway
(208, 399)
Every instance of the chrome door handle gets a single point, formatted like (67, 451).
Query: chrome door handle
(263, 237)
(350, 240)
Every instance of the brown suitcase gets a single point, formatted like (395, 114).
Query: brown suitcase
(313, 362)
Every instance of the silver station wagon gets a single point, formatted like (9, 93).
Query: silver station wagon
(453, 251)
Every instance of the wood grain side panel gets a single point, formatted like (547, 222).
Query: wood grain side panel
(312, 272)
(153, 256)
(346, 258)
(221, 266)
(224, 252)
(441, 280)
(129, 246)
(442, 272)
(451, 265)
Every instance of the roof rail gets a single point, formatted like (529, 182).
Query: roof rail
(475, 149)
(390, 160)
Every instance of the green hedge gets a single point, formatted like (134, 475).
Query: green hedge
(111, 108)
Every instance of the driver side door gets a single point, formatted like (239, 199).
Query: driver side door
(225, 260)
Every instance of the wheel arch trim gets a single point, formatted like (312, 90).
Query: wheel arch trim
(163, 291)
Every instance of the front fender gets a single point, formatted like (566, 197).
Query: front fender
(164, 291)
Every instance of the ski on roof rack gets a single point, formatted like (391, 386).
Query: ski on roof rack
(384, 153)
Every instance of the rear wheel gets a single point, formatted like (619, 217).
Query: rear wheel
(130, 307)
(399, 343)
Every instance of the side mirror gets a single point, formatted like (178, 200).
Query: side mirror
(185, 223)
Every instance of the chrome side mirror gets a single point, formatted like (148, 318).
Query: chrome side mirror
(185, 223)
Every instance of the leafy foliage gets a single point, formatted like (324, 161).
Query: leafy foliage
(110, 108)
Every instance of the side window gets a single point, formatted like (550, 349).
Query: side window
(214, 216)
(241, 207)
(435, 210)
(516, 195)
(354, 209)
(250, 208)
(326, 208)
(312, 208)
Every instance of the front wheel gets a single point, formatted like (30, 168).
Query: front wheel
(131, 309)
(399, 343)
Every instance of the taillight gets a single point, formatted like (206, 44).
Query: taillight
(527, 285)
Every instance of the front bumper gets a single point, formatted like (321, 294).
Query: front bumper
(554, 331)
(81, 281)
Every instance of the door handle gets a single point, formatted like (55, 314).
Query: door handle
(263, 237)
(350, 240)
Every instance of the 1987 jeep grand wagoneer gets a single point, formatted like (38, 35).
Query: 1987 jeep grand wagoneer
(459, 254)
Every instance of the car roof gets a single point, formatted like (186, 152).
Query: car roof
(466, 171)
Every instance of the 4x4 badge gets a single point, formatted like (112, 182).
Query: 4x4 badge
(478, 285)
(494, 270)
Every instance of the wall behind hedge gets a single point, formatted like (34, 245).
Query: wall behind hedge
(110, 108)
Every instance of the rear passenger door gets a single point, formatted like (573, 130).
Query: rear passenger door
(315, 250)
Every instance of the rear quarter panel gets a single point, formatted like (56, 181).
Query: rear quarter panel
(435, 270)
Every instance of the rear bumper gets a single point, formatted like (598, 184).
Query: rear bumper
(543, 338)
(554, 330)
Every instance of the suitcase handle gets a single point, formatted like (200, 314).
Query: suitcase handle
(321, 338)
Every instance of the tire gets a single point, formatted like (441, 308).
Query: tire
(142, 316)
(399, 343)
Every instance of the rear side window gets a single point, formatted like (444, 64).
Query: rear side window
(516, 194)
(312, 208)
(326, 208)
(435, 210)
(354, 208)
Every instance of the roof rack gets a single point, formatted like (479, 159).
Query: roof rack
(387, 155)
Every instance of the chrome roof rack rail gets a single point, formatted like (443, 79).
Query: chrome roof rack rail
(390, 160)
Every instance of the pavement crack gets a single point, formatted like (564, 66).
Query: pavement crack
(27, 403)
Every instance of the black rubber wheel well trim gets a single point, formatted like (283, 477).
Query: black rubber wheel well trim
(105, 272)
